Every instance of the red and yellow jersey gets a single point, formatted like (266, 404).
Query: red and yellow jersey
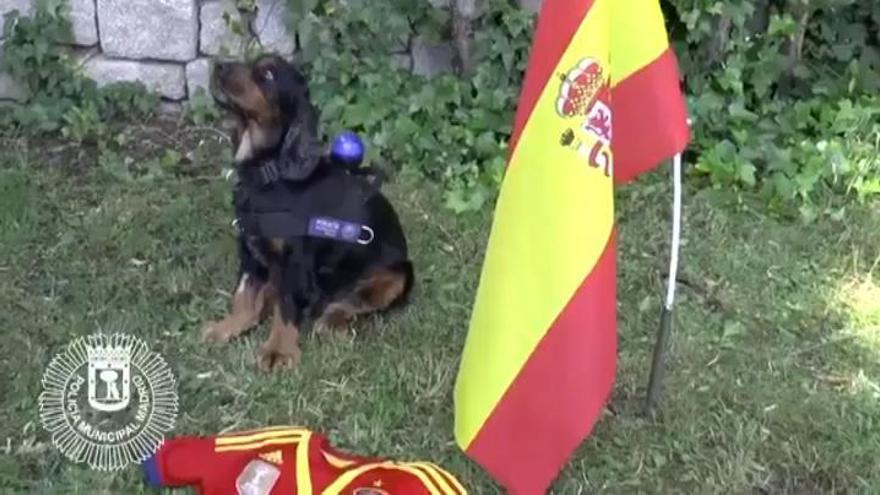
(289, 461)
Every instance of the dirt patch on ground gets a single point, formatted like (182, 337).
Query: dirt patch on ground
(199, 149)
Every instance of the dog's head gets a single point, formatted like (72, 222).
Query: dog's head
(270, 99)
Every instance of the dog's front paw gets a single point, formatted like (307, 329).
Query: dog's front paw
(282, 355)
(336, 317)
(217, 331)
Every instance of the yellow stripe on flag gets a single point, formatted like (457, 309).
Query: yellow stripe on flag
(638, 36)
(552, 222)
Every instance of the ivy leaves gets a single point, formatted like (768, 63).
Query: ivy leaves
(783, 93)
(447, 128)
(783, 96)
(780, 92)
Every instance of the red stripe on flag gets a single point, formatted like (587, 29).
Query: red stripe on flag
(650, 118)
(560, 391)
(558, 21)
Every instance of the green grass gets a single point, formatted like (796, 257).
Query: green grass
(773, 381)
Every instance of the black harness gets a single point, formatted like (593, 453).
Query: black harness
(328, 205)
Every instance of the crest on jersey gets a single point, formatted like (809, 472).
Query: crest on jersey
(257, 478)
(370, 491)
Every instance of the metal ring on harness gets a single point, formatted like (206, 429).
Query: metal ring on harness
(368, 230)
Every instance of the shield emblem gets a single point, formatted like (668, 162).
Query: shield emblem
(258, 478)
(370, 491)
(109, 381)
(598, 123)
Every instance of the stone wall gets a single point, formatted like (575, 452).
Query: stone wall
(167, 44)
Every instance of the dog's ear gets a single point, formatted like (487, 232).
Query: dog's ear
(301, 150)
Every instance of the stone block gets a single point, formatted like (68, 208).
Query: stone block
(172, 108)
(198, 75)
(151, 29)
(216, 37)
(9, 88)
(167, 79)
(430, 59)
(470, 9)
(530, 5)
(83, 22)
(24, 7)
(81, 14)
(402, 60)
(269, 26)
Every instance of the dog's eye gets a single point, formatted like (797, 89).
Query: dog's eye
(268, 75)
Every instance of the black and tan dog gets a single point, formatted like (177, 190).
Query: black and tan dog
(315, 239)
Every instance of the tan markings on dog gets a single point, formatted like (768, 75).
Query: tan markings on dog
(259, 119)
(245, 146)
(337, 315)
(281, 349)
(381, 288)
(247, 96)
(277, 245)
(376, 292)
(255, 137)
(248, 304)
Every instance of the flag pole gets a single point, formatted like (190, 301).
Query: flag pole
(655, 381)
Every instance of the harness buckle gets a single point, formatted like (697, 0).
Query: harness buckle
(269, 173)
(368, 230)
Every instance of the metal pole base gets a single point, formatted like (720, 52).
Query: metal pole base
(655, 381)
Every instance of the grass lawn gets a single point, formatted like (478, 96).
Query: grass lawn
(774, 370)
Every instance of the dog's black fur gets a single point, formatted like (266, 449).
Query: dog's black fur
(302, 276)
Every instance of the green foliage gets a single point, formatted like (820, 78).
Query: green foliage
(783, 95)
(125, 99)
(58, 97)
(450, 129)
(781, 92)
(201, 109)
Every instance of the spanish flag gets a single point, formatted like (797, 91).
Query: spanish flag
(600, 105)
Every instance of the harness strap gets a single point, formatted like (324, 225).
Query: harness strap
(282, 224)
(260, 175)
(268, 207)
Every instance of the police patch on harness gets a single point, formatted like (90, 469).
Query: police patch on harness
(331, 228)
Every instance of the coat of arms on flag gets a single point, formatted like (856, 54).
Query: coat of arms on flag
(585, 96)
